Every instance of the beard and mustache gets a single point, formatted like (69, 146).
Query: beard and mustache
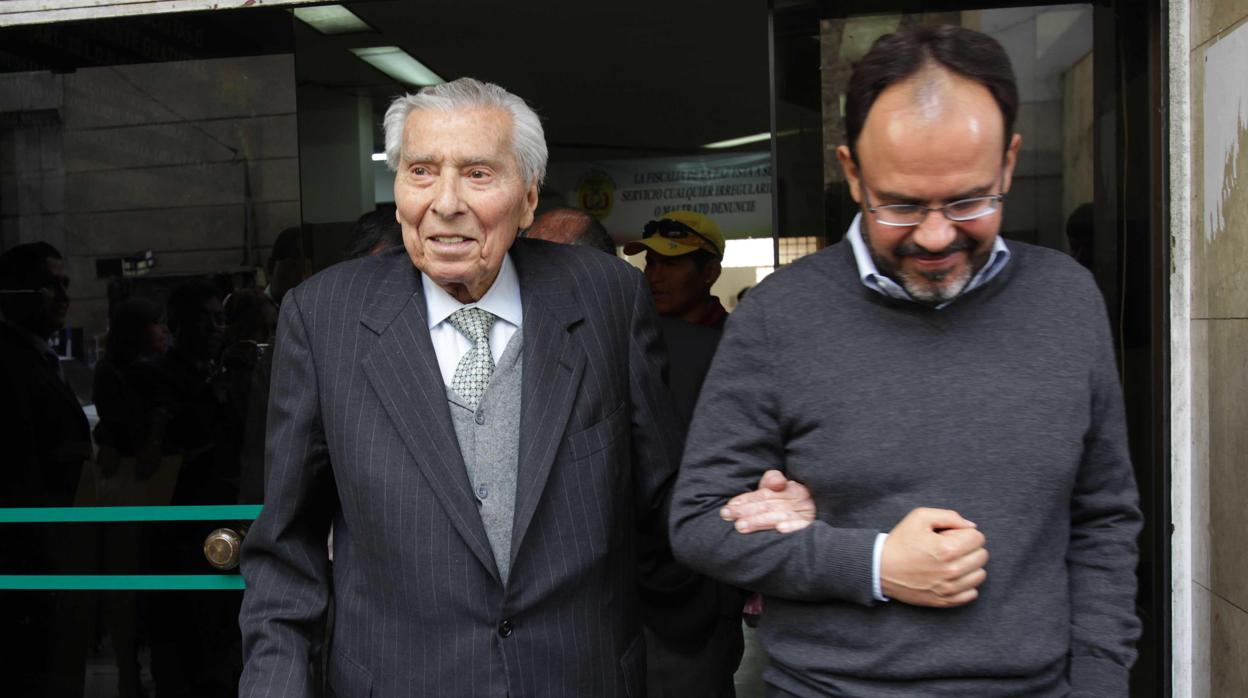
(932, 287)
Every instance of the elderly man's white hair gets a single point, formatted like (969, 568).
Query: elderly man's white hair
(528, 141)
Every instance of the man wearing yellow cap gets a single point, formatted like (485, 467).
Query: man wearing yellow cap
(683, 254)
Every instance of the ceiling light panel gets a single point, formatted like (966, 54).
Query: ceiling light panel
(398, 64)
(331, 19)
(743, 140)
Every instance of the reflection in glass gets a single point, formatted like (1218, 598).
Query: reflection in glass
(155, 162)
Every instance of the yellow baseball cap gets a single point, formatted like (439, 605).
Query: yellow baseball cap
(679, 233)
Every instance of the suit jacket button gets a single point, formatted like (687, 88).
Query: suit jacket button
(505, 628)
(480, 416)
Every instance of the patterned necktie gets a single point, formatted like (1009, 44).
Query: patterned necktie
(475, 369)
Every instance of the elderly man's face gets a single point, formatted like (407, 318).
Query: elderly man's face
(461, 197)
(931, 140)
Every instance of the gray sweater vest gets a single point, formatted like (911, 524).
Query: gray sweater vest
(489, 439)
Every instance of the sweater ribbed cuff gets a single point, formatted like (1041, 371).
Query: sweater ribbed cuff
(848, 563)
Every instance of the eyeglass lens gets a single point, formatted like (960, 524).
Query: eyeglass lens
(964, 210)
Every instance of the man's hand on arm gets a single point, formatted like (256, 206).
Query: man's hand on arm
(933, 557)
(778, 504)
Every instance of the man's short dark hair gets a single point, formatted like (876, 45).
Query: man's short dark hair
(25, 267)
(895, 57)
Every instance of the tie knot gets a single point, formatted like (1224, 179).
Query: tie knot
(473, 323)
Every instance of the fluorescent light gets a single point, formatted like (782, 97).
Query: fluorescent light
(379, 157)
(744, 140)
(396, 63)
(733, 142)
(332, 19)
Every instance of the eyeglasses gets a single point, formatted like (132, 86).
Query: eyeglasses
(668, 228)
(910, 215)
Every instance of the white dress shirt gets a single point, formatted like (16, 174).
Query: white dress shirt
(874, 280)
(502, 300)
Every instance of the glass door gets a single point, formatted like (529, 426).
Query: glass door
(147, 168)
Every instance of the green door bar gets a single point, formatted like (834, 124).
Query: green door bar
(115, 514)
(121, 582)
(125, 582)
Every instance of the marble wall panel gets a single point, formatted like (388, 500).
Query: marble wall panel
(1209, 17)
(1220, 250)
(1228, 460)
(1228, 647)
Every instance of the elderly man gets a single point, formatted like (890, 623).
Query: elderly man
(483, 421)
(941, 393)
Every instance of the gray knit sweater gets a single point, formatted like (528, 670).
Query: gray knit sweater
(1004, 406)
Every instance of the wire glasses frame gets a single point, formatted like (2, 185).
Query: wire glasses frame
(910, 215)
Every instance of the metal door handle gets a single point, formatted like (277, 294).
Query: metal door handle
(223, 546)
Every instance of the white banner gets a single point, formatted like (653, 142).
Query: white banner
(733, 189)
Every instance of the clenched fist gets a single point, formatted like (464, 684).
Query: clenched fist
(933, 557)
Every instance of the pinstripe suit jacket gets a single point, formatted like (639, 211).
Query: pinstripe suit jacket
(360, 435)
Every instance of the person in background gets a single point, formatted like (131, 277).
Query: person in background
(194, 646)
(683, 250)
(679, 663)
(46, 441)
(1080, 234)
(373, 232)
(289, 264)
(136, 338)
(128, 432)
(571, 226)
(49, 433)
(246, 365)
(248, 317)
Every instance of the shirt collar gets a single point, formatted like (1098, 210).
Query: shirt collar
(871, 277)
(502, 299)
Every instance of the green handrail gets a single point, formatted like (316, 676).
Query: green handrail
(116, 514)
(121, 582)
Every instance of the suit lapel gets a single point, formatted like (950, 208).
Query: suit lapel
(403, 369)
(553, 366)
